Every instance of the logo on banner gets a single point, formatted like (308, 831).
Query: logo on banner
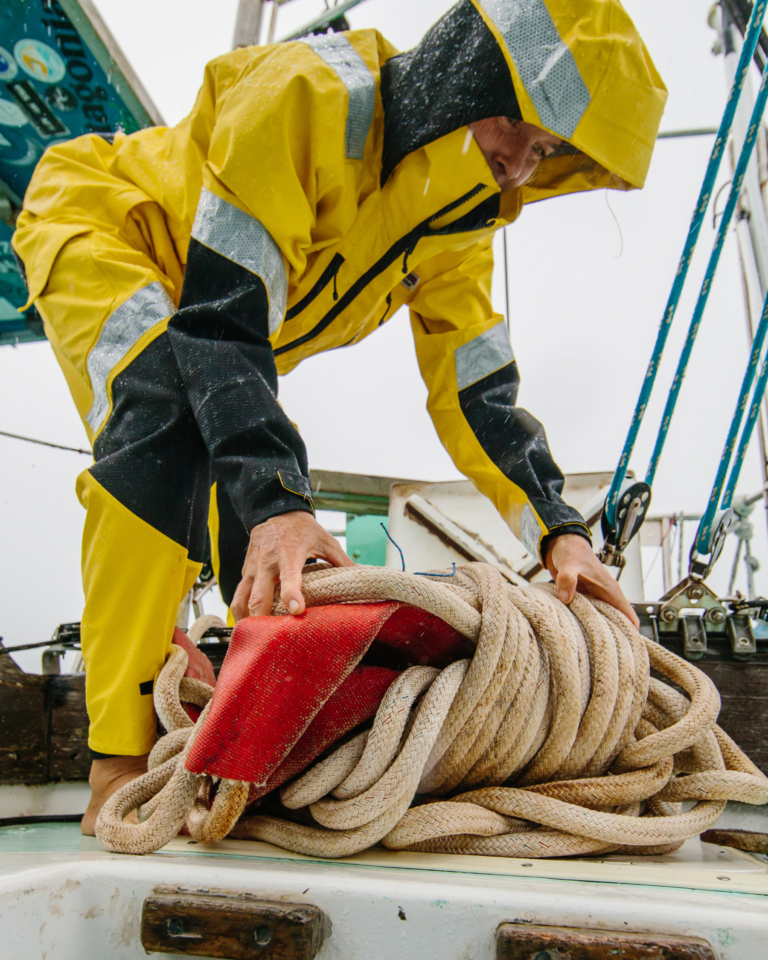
(8, 68)
(61, 98)
(11, 115)
(40, 61)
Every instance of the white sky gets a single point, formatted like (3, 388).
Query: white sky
(585, 304)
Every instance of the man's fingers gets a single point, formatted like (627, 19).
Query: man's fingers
(615, 596)
(330, 550)
(277, 551)
(607, 589)
(239, 605)
(566, 585)
(262, 595)
(290, 590)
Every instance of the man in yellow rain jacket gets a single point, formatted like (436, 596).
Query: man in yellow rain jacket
(315, 188)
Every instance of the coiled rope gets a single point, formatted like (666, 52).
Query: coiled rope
(553, 740)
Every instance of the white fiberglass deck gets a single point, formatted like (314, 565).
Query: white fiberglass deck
(63, 897)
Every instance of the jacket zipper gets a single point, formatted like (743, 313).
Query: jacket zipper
(324, 279)
(404, 247)
(389, 306)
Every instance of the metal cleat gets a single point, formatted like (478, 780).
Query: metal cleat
(694, 637)
(742, 637)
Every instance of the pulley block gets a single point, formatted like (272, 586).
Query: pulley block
(700, 564)
(631, 510)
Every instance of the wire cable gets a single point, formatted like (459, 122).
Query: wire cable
(45, 443)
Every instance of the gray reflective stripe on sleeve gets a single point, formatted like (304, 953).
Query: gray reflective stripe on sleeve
(530, 531)
(351, 69)
(483, 356)
(244, 240)
(122, 330)
(546, 66)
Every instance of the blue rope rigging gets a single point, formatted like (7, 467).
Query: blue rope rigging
(713, 168)
(725, 221)
(754, 410)
(705, 526)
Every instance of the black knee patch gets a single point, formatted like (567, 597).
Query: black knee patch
(150, 455)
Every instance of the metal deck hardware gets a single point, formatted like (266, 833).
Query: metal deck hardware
(700, 564)
(742, 637)
(693, 622)
(694, 636)
(691, 594)
(631, 510)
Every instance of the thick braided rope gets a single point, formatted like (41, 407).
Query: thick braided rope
(552, 741)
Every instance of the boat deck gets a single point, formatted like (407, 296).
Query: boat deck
(65, 897)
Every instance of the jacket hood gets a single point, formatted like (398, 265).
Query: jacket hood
(577, 68)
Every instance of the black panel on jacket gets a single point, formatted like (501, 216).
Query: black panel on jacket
(455, 76)
(515, 441)
(220, 337)
(150, 455)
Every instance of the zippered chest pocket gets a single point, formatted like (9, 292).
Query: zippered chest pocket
(329, 275)
(477, 218)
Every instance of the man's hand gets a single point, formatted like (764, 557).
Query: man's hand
(574, 567)
(277, 552)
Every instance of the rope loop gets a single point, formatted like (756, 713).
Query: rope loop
(553, 740)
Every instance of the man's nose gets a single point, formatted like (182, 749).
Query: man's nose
(518, 166)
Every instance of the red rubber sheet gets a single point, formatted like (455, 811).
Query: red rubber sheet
(290, 687)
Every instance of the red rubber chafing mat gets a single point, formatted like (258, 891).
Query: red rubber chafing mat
(292, 686)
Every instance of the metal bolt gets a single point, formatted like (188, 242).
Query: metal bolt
(669, 615)
(695, 592)
(716, 616)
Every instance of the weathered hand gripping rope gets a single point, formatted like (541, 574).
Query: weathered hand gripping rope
(553, 740)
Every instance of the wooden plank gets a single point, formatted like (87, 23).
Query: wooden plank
(738, 839)
(69, 756)
(743, 687)
(238, 927)
(23, 725)
(529, 942)
(43, 726)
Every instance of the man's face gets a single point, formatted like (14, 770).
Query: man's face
(512, 148)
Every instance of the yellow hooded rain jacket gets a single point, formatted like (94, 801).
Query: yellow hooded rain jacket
(315, 188)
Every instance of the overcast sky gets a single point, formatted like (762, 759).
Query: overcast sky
(586, 297)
